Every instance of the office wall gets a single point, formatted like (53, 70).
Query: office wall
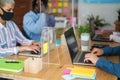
(105, 11)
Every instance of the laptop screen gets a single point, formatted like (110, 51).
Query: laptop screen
(71, 42)
(92, 30)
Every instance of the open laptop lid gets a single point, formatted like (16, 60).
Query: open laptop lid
(71, 42)
(92, 29)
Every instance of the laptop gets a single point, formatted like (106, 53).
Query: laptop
(77, 57)
(31, 54)
(42, 53)
(97, 37)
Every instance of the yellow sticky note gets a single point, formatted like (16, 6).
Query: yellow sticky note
(45, 48)
(60, 4)
(50, 4)
(65, 4)
(81, 71)
(54, 10)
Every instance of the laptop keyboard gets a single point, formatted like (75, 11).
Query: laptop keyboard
(38, 53)
(83, 57)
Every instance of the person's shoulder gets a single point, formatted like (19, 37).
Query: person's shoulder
(30, 13)
(10, 22)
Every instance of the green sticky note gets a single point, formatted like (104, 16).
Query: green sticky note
(60, 4)
(54, 10)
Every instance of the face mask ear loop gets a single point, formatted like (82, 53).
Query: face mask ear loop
(2, 10)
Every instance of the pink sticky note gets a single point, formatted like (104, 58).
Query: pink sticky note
(71, 20)
(66, 71)
(54, 4)
(65, 10)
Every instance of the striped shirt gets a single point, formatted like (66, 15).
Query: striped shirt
(9, 36)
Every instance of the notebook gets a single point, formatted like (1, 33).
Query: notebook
(13, 67)
(82, 71)
(77, 57)
(97, 37)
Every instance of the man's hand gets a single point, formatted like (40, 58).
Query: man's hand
(33, 48)
(36, 44)
(91, 57)
(97, 51)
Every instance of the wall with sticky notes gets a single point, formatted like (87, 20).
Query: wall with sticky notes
(61, 7)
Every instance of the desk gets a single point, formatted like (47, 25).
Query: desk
(54, 72)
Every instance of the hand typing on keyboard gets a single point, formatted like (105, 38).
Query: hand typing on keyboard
(91, 58)
(88, 61)
(37, 52)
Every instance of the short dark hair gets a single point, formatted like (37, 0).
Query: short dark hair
(34, 3)
(45, 3)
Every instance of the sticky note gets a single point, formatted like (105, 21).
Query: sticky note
(65, 4)
(45, 48)
(60, 10)
(65, 10)
(50, 4)
(54, 10)
(67, 71)
(54, 4)
(71, 20)
(71, 77)
(60, 4)
(81, 71)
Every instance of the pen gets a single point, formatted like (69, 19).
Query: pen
(9, 61)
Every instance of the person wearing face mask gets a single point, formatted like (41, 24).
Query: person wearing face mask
(35, 20)
(10, 34)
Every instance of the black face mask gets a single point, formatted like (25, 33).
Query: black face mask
(6, 15)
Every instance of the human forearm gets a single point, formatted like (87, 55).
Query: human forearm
(108, 66)
(8, 51)
(108, 51)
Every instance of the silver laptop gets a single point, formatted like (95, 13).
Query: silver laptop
(31, 54)
(77, 57)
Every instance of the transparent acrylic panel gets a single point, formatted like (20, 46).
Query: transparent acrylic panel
(49, 50)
